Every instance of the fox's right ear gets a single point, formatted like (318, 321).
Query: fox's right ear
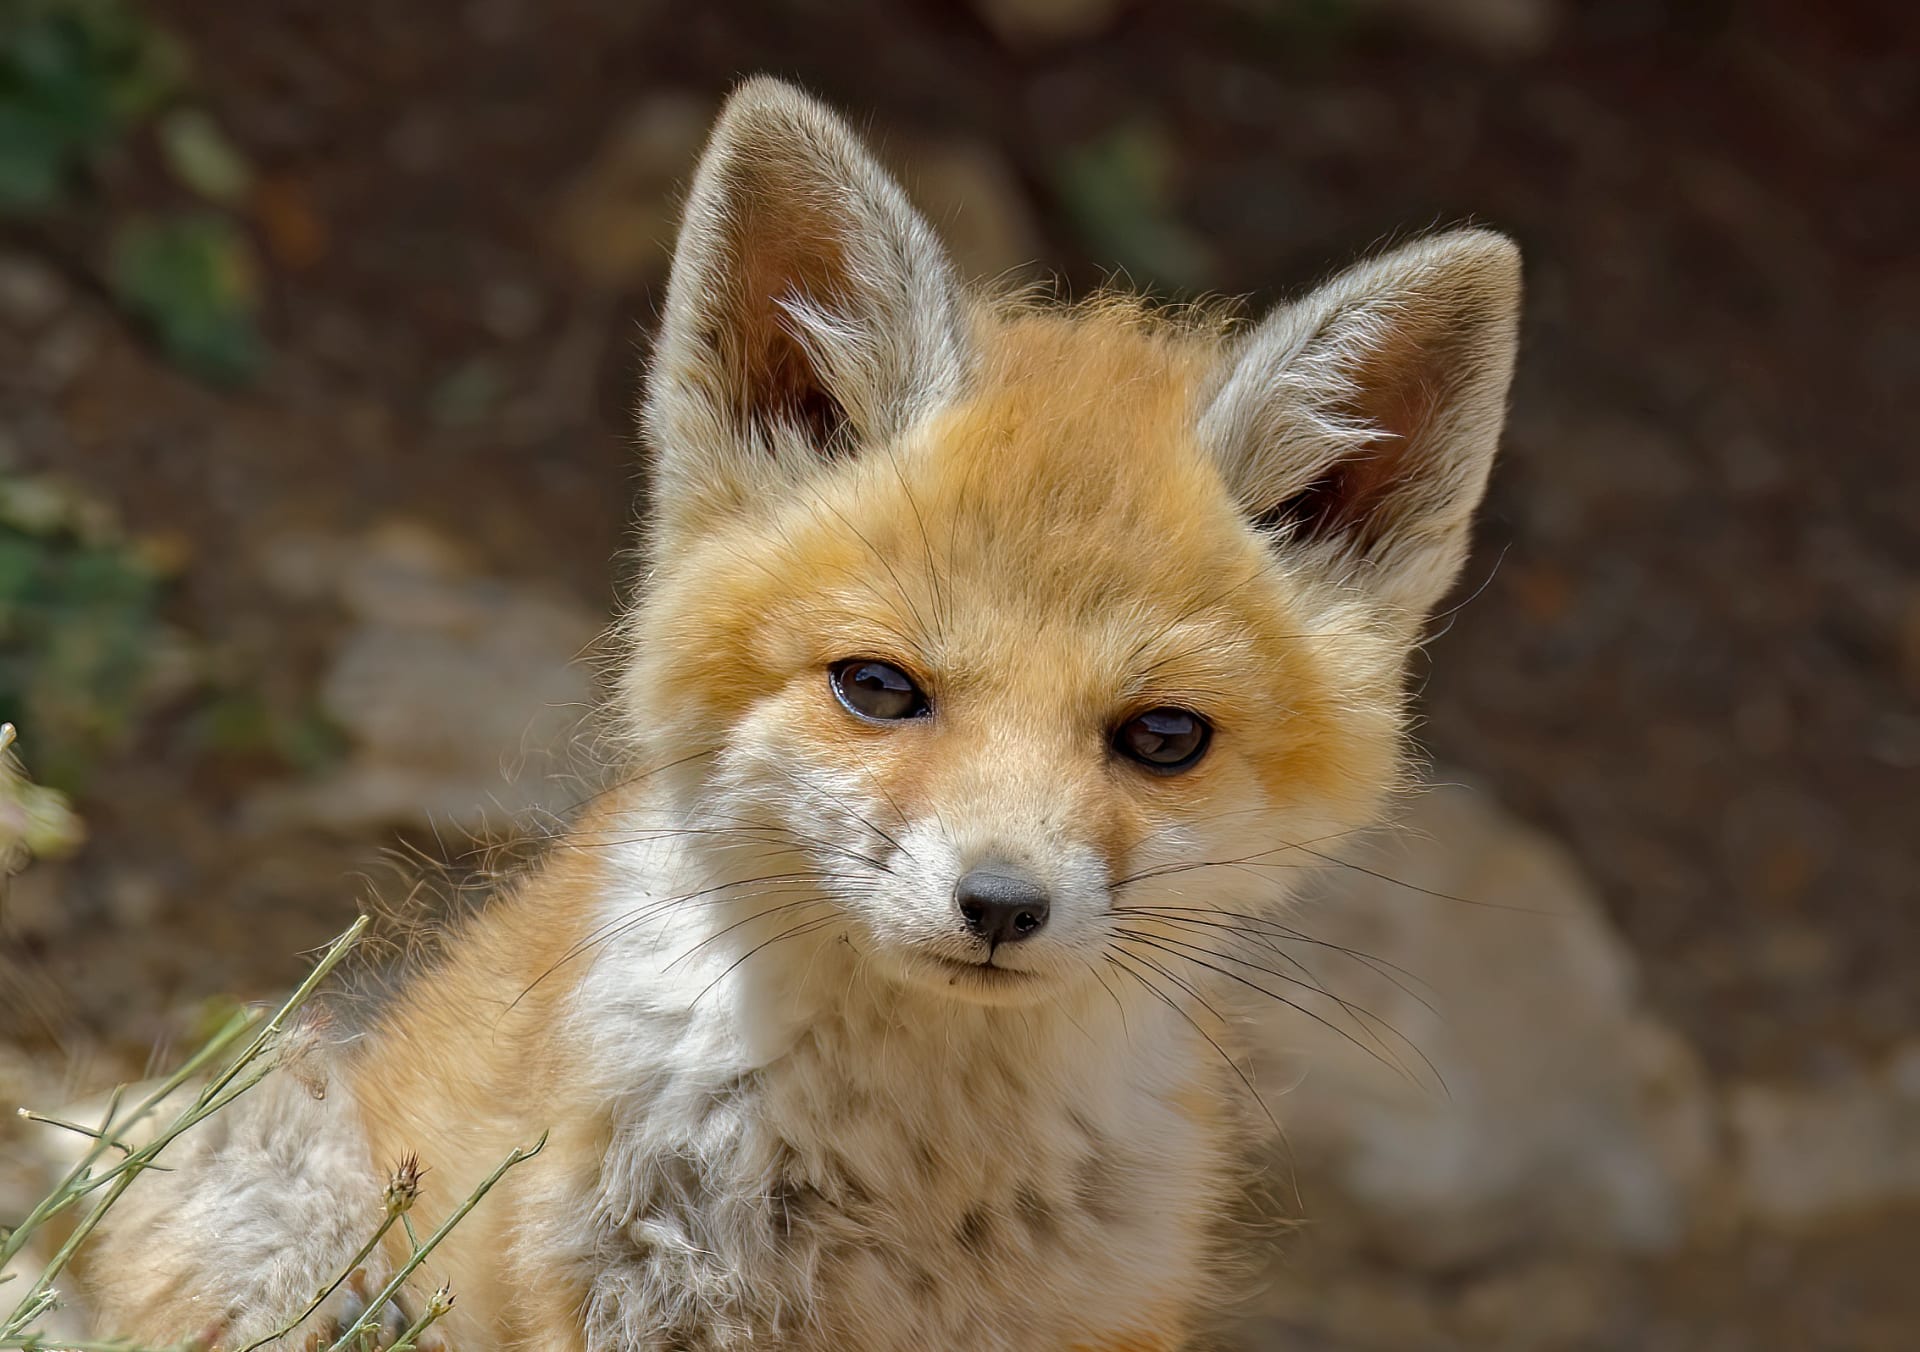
(1357, 425)
(810, 311)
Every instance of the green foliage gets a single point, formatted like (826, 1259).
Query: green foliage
(243, 722)
(199, 154)
(77, 78)
(193, 282)
(466, 394)
(79, 628)
(1117, 190)
(74, 76)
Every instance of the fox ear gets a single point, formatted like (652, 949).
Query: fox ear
(810, 310)
(1358, 425)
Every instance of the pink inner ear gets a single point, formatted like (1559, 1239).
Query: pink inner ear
(778, 256)
(1357, 496)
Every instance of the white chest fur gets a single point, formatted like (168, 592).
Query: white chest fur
(805, 1157)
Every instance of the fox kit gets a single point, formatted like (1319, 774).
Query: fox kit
(995, 667)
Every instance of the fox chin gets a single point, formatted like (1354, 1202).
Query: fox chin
(996, 668)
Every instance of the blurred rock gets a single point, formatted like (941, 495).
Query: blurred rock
(462, 695)
(1569, 1117)
(1030, 24)
(1535, 1303)
(976, 202)
(1321, 1307)
(1807, 1154)
(617, 221)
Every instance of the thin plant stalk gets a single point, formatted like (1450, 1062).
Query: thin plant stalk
(518, 1155)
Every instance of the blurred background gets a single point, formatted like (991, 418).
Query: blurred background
(319, 330)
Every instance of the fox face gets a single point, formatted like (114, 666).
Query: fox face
(1017, 646)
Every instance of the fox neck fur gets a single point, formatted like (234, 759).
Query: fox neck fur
(796, 1153)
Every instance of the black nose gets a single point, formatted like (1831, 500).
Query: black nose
(1001, 905)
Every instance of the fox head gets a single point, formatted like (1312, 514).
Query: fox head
(1002, 635)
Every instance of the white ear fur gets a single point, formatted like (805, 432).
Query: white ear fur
(810, 310)
(1360, 423)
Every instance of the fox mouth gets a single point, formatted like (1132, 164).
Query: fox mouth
(984, 973)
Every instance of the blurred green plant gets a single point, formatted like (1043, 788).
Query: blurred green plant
(244, 722)
(1117, 189)
(191, 280)
(81, 639)
(75, 77)
(199, 154)
(466, 394)
(78, 78)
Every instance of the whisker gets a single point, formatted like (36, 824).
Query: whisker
(751, 833)
(859, 817)
(1363, 1018)
(942, 613)
(1175, 1006)
(747, 920)
(804, 927)
(1389, 1060)
(885, 563)
(1270, 943)
(1381, 967)
(635, 919)
(1452, 613)
(1415, 887)
(1119, 1008)
(612, 929)
(1188, 866)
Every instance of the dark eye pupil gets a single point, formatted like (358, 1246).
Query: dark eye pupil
(877, 690)
(1164, 738)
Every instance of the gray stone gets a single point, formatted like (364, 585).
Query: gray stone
(1568, 1115)
(1809, 1154)
(463, 695)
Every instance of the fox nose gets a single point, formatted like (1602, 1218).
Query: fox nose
(1001, 905)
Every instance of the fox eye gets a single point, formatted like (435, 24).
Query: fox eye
(876, 690)
(1166, 741)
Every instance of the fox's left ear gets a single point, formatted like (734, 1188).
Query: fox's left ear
(1359, 424)
(810, 311)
